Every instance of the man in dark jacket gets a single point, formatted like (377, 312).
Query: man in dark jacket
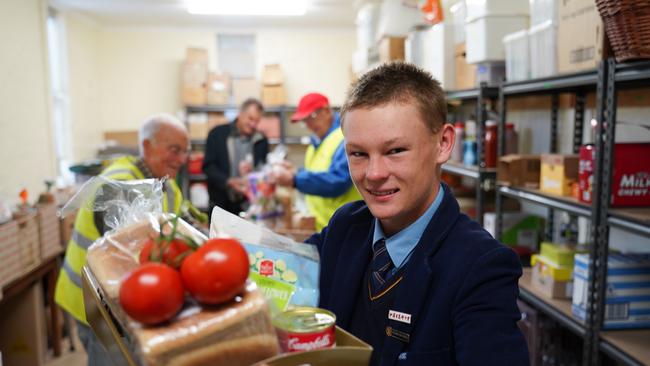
(231, 151)
(404, 270)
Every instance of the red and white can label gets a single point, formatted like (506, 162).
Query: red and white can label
(299, 342)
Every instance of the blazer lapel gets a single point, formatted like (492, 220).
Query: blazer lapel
(353, 260)
(418, 275)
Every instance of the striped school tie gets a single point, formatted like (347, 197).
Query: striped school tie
(380, 266)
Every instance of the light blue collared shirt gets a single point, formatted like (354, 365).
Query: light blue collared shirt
(401, 245)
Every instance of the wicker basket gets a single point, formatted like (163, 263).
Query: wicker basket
(627, 24)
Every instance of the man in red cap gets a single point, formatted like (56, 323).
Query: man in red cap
(325, 180)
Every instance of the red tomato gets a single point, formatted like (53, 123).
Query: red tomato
(173, 255)
(216, 272)
(152, 293)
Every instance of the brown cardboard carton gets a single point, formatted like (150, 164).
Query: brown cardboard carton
(194, 83)
(198, 130)
(519, 170)
(465, 73)
(49, 231)
(391, 48)
(124, 138)
(274, 95)
(549, 286)
(67, 226)
(196, 55)
(218, 89)
(243, 89)
(581, 36)
(22, 334)
(272, 75)
(215, 119)
(9, 253)
(557, 173)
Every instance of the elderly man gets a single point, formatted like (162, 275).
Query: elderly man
(403, 269)
(163, 150)
(231, 151)
(326, 179)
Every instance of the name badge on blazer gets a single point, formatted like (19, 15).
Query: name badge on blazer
(399, 316)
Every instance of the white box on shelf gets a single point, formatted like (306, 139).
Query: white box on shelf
(360, 61)
(458, 15)
(543, 50)
(413, 45)
(543, 10)
(517, 55)
(366, 22)
(482, 8)
(627, 292)
(485, 36)
(396, 19)
(436, 53)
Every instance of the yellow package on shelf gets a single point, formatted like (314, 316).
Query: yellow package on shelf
(552, 269)
(559, 254)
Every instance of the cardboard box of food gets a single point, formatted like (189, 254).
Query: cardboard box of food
(274, 95)
(349, 350)
(125, 138)
(272, 75)
(553, 280)
(581, 36)
(465, 73)
(557, 173)
(245, 88)
(196, 55)
(519, 170)
(218, 89)
(9, 253)
(49, 231)
(391, 49)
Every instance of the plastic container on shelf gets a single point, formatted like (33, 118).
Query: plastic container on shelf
(396, 19)
(457, 151)
(469, 144)
(490, 144)
(517, 52)
(484, 36)
(458, 14)
(512, 139)
(543, 50)
(366, 22)
(491, 73)
(483, 8)
(542, 11)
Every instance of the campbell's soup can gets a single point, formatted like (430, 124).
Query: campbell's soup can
(305, 329)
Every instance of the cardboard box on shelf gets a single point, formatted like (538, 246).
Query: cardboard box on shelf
(274, 95)
(218, 89)
(194, 83)
(557, 173)
(28, 240)
(272, 75)
(553, 280)
(22, 335)
(245, 88)
(124, 138)
(391, 48)
(49, 231)
(196, 55)
(465, 73)
(9, 253)
(519, 170)
(580, 36)
(215, 119)
(519, 228)
(67, 226)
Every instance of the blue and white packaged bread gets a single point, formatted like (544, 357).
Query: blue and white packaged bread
(284, 270)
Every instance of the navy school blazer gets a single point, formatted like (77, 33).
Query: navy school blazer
(460, 287)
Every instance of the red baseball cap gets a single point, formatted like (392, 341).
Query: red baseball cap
(308, 104)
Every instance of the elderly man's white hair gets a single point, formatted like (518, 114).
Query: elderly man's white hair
(152, 125)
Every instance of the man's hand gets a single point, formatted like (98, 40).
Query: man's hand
(283, 174)
(238, 185)
(245, 167)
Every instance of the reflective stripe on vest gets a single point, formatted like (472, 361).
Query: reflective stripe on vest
(68, 288)
(319, 160)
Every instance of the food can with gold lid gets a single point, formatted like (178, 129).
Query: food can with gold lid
(305, 329)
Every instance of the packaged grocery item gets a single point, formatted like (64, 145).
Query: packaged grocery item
(305, 329)
(286, 271)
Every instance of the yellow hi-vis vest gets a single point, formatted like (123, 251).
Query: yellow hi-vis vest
(319, 160)
(68, 292)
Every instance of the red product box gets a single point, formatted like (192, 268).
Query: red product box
(195, 163)
(630, 176)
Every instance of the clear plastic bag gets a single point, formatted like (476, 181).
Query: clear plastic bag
(286, 271)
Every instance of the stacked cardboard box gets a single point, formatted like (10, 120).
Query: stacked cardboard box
(195, 75)
(391, 49)
(273, 91)
(218, 89)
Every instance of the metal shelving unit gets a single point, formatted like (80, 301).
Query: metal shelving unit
(484, 177)
(628, 346)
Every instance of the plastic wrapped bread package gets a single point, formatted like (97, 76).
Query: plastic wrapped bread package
(239, 332)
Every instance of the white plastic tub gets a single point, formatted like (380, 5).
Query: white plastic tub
(542, 11)
(543, 50)
(366, 22)
(517, 55)
(483, 8)
(458, 15)
(485, 36)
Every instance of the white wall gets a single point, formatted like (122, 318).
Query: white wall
(26, 144)
(134, 72)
